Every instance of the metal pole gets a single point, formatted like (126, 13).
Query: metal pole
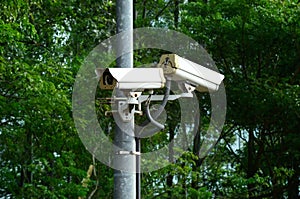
(138, 168)
(125, 182)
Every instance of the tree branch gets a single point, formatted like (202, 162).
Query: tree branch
(162, 10)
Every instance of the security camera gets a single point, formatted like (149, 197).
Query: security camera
(136, 79)
(181, 69)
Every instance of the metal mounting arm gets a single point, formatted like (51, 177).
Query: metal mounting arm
(132, 104)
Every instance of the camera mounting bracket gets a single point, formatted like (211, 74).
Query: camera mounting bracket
(132, 104)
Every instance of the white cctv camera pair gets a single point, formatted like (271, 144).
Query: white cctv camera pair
(171, 66)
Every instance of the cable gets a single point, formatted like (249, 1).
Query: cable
(152, 119)
(165, 100)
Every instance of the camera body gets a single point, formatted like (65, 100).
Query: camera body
(181, 69)
(135, 79)
(170, 66)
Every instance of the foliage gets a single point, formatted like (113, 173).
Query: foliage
(254, 43)
(42, 45)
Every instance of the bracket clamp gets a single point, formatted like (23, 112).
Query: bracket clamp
(128, 153)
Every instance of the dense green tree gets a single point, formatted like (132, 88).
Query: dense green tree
(254, 43)
(42, 45)
(249, 43)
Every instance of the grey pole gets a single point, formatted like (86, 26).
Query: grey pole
(125, 182)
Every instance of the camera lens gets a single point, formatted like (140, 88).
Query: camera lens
(107, 78)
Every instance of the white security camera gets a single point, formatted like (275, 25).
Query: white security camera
(181, 69)
(136, 79)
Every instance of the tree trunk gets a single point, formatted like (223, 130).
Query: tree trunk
(135, 13)
(176, 13)
(144, 9)
(293, 183)
(171, 160)
(196, 150)
(251, 170)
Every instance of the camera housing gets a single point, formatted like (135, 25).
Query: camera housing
(135, 79)
(181, 69)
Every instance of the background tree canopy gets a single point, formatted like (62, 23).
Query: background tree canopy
(255, 44)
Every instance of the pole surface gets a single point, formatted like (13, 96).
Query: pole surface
(138, 169)
(125, 182)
